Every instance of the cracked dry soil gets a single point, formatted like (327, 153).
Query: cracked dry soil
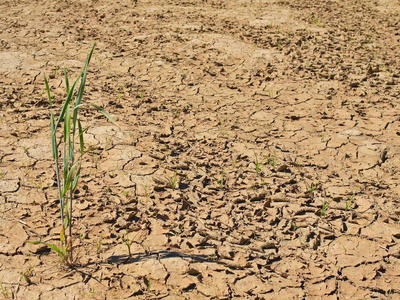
(279, 120)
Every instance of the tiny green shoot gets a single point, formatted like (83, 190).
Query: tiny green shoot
(221, 181)
(293, 226)
(127, 241)
(258, 163)
(98, 248)
(173, 180)
(120, 93)
(350, 201)
(325, 206)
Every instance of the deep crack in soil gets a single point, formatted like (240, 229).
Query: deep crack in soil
(258, 155)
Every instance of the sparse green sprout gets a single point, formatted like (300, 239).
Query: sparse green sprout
(293, 226)
(258, 162)
(312, 189)
(146, 192)
(148, 283)
(325, 206)
(173, 180)
(141, 97)
(318, 22)
(108, 190)
(27, 276)
(127, 242)
(274, 160)
(350, 201)
(120, 93)
(221, 181)
(5, 292)
(99, 245)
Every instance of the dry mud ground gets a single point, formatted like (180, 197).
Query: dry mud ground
(280, 120)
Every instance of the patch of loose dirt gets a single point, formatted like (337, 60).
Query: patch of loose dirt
(280, 119)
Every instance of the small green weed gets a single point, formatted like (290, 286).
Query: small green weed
(273, 160)
(293, 226)
(312, 188)
(127, 242)
(173, 180)
(146, 192)
(350, 201)
(7, 294)
(27, 275)
(141, 97)
(221, 181)
(148, 283)
(318, 22)
(120, 93)
(98, 248)
(258, 162)
(325, 206)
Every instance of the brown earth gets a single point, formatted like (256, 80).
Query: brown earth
(310, 89)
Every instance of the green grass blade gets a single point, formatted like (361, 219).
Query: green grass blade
(67, 219)
(83, 81)
(55, 248)
(68, 181)
(67, 123)
(105, 114)
(66, 80)
(81, 89)
(48, 91)
(52, 246)
(76, 179)
(81, 142)
(53, 139)
(66, 163)
(66, 104)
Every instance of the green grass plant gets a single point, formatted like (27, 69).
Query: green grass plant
(7, 294)
(312, 188)
(221, 182)
(127, 242)
(67, 159)
(120, 93)
(98, 248)
(350, 201)
(325, 206)
(173, 180)
(258, 163)
(273, 160)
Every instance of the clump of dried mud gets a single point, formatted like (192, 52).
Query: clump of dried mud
(279, 118)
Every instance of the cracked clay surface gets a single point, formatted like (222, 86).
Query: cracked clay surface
(258, 155)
